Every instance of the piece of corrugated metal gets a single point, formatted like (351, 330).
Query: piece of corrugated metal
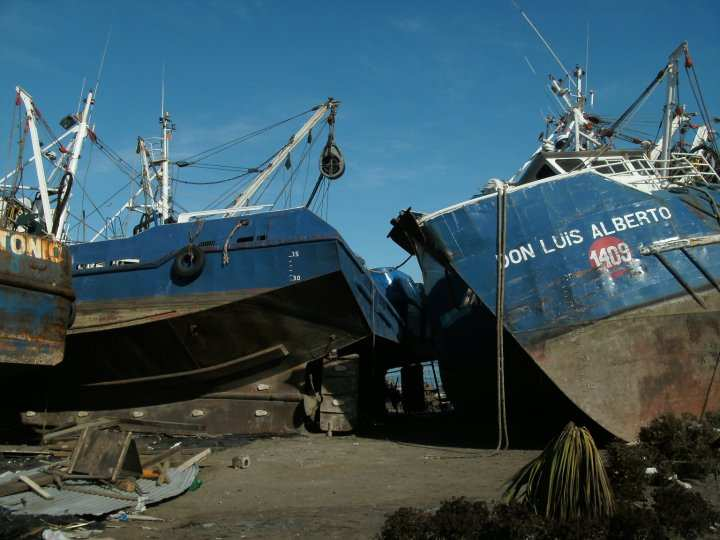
(67, 503)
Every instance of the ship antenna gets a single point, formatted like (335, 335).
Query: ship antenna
(527, 60)
(162, 93)
(544, 42)
(102, 62)
(590, 93)
(587, 53)
(80, 98)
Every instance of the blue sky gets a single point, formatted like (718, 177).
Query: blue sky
(437, 97)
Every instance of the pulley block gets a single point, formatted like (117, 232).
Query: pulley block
(332, 163)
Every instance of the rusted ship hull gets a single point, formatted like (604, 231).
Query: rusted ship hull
(620, 341)
(657, 359)
(36, 299)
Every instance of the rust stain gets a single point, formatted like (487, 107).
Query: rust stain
(626, 370)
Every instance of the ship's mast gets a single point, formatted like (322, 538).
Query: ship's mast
(671, 73)
(79, 126)
(166, 133)
(74, 157)
(166, 129)
(154, 165)
(573, 123)
(31, 115)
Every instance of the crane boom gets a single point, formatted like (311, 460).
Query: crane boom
(320, 111)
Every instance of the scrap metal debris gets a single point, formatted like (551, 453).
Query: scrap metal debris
(103, 474)
(86, 497)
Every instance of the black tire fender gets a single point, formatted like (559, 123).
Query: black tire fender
(188, 263)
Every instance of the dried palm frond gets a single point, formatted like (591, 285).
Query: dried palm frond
(567, 481)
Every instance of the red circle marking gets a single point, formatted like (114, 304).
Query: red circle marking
(613, 260)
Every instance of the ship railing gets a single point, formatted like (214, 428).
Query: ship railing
(154, 148)
(698, 167)
(680, 168)
(234, 211)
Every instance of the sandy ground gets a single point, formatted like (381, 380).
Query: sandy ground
(313, 486)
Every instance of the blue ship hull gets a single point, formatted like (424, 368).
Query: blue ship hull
(276, 291)
(36, 300)
(621, 335)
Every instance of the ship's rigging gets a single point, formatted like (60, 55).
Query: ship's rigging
(271, 183)
(574, 129)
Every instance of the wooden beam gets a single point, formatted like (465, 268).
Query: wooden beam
(24, 450)
(37, 489)
(17, 486)
(174, 449)
(98, 424)
(193, 460)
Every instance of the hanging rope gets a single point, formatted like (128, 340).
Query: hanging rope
(503, 436)
(404, 261)
(192, 236)
(226, 255)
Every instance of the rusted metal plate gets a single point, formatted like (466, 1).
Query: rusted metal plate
(35, 299)
(340, 389)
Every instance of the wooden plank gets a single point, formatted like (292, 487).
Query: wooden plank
(98, 424)
(160, 426)
(24, 449)
(193, 460)
(13, 487)
(77, 450)
(37, 489)
(174, 449)
(121, 458)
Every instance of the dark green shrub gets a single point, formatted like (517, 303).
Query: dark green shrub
(631, 522)
(574, 530)
(515, 521)
(626, 467)
(683, 511)
(460, 518)
(685, 444)
(406, 524)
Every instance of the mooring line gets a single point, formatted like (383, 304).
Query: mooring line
(503, 436)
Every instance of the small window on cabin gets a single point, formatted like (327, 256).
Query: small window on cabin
(546, 171)
(618, 167)
(601, 166)
(570, 165)
(642, 167)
